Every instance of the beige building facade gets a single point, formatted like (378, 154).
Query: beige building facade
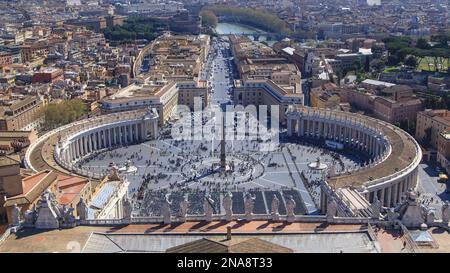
(21, 115)
(434, 121)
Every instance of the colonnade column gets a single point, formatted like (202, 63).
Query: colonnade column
(389, 190)
(289, 125)
(301, 126)
(395, 194)
(128, 134)
(111, 135)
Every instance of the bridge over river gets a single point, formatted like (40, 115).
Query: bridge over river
(227, 28)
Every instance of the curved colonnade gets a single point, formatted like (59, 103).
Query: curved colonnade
(395, 154)
(61, 148)
(389, 174)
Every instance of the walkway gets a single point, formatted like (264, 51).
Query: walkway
(430, 189)
(298, 183)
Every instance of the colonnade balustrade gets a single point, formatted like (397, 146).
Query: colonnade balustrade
(349, 132)
(79, 139)
(362, 134)
(103, 137)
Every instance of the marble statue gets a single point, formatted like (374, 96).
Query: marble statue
(275, 208)
(114, 173)
(183, 208)
(127, 208)
(290, 207)
(208, 208)
(165, 210)
(249, 204)
(82, 209)
(412, 213)
(411, 195)
(392, 215)
(15, 215)
(331, 209)
(446, 212)
(67, 215)
(29, 217)
(228, 206)
(431, 217)
(376, 207)
(48, 213)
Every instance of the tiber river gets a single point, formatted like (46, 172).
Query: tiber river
(233, 28)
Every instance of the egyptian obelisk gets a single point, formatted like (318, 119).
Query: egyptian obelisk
(222, 145)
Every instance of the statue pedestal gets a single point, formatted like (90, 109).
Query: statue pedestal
(413, 216)
(47, 219)
(291, 218)
(229, 217)
(330, 219)
(275, 217)
(166, 220)
(249, 217)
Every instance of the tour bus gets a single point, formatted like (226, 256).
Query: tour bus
(334, 145)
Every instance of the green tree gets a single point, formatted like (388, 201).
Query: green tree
(135, 28)
(209, 19)
(255, 17)
(442, 39)
(422, 43)
(58, 114)
(378, 65)
(411, 61)
(377, 51)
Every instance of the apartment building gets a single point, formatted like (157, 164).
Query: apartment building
(443, 150)
(10, 182)
(20, 114)
(430, 124)
(392, 104)
(164, 97)
(265, 92)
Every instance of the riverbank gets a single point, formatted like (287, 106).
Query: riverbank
(225, 28)
(260, 19)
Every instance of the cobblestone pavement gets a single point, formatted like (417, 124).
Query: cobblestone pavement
(432, 192)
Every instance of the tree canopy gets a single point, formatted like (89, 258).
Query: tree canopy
(254, 17)
(209, 19)
(58, 114)
(135, 28)
(402, 48)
